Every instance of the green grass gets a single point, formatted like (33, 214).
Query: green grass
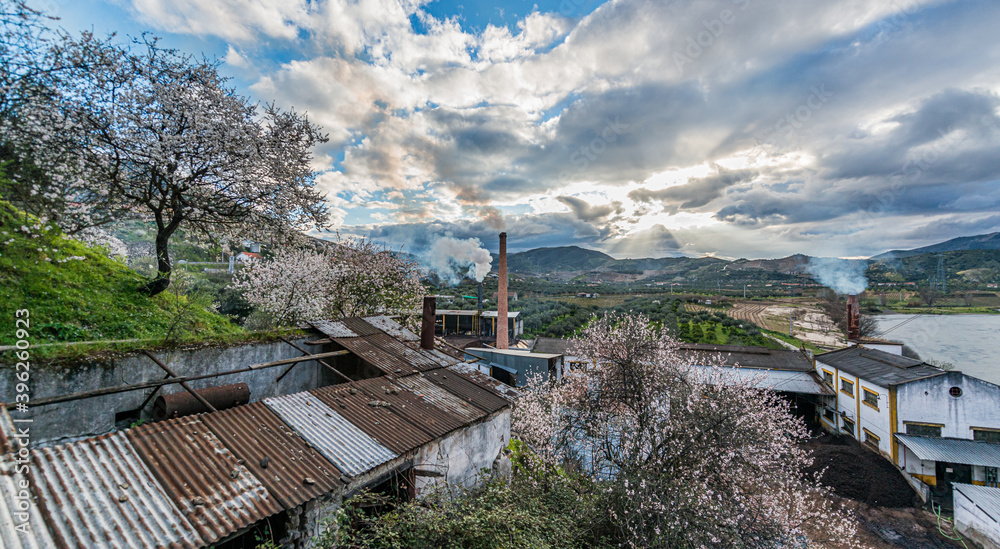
(794, 341)
(75, 293)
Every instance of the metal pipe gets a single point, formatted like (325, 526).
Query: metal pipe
(427, 323)
(175, 380)
(199, 398)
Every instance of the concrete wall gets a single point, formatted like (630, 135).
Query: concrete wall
(926, 471)
(72, 420)
(928, 401)
(462, 455)
(876, 419)
(973, 522)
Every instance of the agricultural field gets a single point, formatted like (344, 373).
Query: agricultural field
(810, 324)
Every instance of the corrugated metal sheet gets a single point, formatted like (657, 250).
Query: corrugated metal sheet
(377, 420)
(376, 356)
(360, 327)
(392, 328)
(468, 390)
(15, 533)
(746, 357)
(432, 419)
(213, 490)
(777, 380)
(293, 472)
(333, 329)
(953, 450)
(419, 359)
(471, 370)
(986, 498)
(98, 493)
(436, 396)
(346, 446)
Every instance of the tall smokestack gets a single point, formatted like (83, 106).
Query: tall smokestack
(853, 318)
(427, 323)
(502, 296)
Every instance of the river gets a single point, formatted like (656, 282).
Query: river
(970, 342)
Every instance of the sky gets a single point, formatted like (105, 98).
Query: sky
(732, 128)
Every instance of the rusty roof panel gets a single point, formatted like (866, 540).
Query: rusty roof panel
(360, 327)
(470, 370)
(467, 390)
(372, 416)
(16, 533)
(392, 328)
(376, 356)
(99, 493)
(436, 421)
(333, 329)
(346, 446)
(285, 464)
(216, 494)
(419, 359)
(436, 396)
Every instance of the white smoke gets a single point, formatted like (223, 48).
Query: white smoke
(841, 275)
(452, 258)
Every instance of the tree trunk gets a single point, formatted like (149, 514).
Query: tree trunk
(163, 267)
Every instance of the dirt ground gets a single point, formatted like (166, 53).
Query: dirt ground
(887, 509)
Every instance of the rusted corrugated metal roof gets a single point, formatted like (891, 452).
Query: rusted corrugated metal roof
(285, 464)
(432, 419)
(16, 533)
(419, 359)
(98, 493)
(345, 445)
(467, 390)
(374, 418)
(360, 327)
(333, 329)
(392, 328)
(213, 490)
(376, 356)
(471, 371)
(436, 396)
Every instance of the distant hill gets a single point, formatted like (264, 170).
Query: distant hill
(563, 258)
(979, 242)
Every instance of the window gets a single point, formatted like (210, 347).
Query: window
(986, 435)
(871, 439)
(923, 430)
(871, 398)
(848, 426)
(955, 392)
(847, 387)
(830, 415)
(828, 378)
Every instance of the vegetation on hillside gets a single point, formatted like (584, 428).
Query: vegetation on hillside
(74, 292)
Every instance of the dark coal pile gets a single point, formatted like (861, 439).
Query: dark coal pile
(859, 474)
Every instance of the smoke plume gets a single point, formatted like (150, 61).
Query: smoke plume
(841, 275)
(452, 258)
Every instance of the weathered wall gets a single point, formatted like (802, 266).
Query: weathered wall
(928, 401)
(462, 455)
(973, 522)
(95, 416)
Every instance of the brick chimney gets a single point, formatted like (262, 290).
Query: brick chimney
(502, 339)
(853, 318)
(427, 323)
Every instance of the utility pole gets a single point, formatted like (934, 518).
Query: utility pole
(790, 324)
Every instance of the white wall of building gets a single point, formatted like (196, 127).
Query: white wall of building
(972, 521)
(929, 401)
(461, 456)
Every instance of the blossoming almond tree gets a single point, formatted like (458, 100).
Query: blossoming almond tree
(689, 456)
(142, 131)
(351, 278)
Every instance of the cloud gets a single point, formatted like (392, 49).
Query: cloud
(697, 192)
(585, 212)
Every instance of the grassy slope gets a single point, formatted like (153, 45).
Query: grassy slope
(93, 298)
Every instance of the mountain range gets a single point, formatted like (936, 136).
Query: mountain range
(979, 242)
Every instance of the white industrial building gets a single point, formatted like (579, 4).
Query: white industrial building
(939, 427)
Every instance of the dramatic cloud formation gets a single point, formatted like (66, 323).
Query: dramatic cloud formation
(639, 127)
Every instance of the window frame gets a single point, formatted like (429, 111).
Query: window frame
(871, 435)
(907, 424)
(992, 431)
(865, 392)
(844, 421)
(828, 380)
(848, 382)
